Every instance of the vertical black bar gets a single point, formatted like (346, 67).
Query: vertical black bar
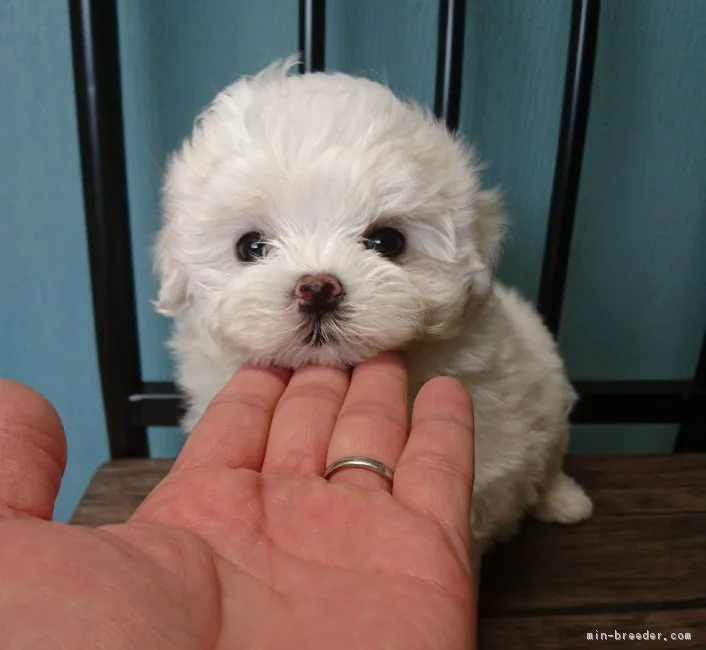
(449, 61)
(96, 62)
(312, 34)
(569, 158)
(692, 433)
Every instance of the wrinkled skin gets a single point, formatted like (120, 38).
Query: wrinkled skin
(244, 545)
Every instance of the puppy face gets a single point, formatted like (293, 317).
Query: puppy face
(318, 218)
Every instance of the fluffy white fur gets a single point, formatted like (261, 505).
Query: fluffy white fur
(314, 162)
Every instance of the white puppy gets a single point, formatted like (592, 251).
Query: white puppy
(318, 218)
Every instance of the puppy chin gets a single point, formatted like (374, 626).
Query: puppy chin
(336, 355)
(326, 355)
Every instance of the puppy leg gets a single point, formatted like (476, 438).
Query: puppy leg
(563, 502)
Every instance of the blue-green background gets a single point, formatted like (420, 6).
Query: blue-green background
(636, 301)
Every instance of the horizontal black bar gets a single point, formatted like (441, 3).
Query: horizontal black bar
(599, 402)
(96, 64)
(158, 405)
(312, 35)
(613, 402)
(569, 159)
(449, 61)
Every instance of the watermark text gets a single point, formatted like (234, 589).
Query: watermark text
(642, 635)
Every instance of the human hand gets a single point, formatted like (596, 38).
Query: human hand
(244, 544)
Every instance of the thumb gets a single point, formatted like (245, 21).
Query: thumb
(32, 452)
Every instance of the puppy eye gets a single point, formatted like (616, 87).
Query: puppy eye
(251, 247)
(386, 241)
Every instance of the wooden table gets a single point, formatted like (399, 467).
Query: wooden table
(639, 565)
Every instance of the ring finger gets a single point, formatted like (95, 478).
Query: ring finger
(372, 421)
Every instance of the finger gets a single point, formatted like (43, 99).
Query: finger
(32, 452)
(233, 431)
(304, 420)
(373, 420)
(435, 473)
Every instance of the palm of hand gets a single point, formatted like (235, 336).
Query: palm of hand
(235, 558)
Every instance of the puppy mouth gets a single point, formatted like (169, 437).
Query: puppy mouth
(319, 339)
(320, 331)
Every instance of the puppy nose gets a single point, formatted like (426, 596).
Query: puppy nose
(319, 293)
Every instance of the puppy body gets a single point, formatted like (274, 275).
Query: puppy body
(316, 165)
(508, 362)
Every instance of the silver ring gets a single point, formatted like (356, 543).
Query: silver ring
(361, 462)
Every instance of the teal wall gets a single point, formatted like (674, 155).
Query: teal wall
(636, 302)
(46, 318)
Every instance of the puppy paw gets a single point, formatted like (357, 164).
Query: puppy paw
(564, 502)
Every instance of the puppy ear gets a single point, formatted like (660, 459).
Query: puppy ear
(490, 225)
(173, 295)
(488, 231)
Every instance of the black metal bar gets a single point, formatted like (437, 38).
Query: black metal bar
(312, 35)
(449, 61)
(600, 402)
(643, 402)
(692, 433)
(159, 404)
(96, 62)
(567, 173)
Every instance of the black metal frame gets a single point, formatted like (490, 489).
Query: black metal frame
(131, 404)
(449, 61)
(96, 62)
(312, 35)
